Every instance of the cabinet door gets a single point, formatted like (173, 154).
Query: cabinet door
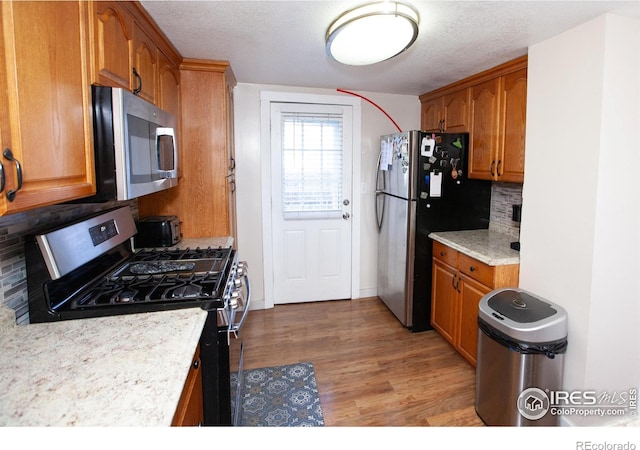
(443, 300)
(514, 109)
(145, 64)
(45, 119)
(112, 44)
(467, 338)
(189, 411)
(456, 112)
(168, 87)
(431, 115)
(484, 129)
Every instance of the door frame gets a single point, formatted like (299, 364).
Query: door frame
(266, 98)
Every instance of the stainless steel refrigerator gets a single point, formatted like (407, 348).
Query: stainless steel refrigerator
(421, 186)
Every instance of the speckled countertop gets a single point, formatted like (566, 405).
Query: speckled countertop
(126, 370)
(490, 247)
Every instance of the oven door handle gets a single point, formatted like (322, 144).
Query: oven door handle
(247, 286)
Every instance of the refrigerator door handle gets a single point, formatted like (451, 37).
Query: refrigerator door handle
(379, 214)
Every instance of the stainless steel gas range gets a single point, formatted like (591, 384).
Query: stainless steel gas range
(88, 269)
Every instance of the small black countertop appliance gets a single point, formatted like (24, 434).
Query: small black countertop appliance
(157, 231)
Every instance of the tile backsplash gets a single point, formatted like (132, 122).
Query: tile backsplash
(14, 228)
(503, 197)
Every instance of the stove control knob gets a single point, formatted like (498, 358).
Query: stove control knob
(242, 269)
(237, 283)
(233, 301)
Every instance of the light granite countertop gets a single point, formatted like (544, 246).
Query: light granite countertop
(126, 370)
(490, 247)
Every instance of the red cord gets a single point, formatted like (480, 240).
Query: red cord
(374, 104)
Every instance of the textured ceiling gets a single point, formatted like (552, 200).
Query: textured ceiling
(282, 42)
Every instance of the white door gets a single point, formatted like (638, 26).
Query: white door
(311, 157)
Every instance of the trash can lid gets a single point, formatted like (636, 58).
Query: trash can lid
(523, 316)
(521, 307)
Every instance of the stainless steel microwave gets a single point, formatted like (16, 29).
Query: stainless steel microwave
(136, 147)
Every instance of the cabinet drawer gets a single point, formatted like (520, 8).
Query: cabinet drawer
(445, 254)
(477, 270)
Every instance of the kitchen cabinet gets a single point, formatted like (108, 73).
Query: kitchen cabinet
(459, 282)
(129, 51)
(45, 120)
(498, 116)
(203, 199)
(513, 126)
(447, 113)
(485, 108)
(112, 43)
(190, 406)
(493, 113)
(145, 65)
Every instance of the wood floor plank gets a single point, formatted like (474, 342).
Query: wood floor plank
(371, 371)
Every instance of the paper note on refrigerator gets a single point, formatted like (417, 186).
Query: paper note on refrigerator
(385, 155)
(427, 146)
(435, 184)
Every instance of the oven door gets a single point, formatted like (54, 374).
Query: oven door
(222, 354)
(233, 317)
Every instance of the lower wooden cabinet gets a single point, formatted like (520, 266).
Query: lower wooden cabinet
(459, 282)
(189, 412)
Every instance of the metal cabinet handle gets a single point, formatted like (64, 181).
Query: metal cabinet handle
(453, 281)
(196, 364)
(137, 90)
(2, 179)
(499, 168)
(472, 269)
(11, 195)
(493, 163)
(443, 253)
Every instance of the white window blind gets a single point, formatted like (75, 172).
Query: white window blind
(311, 165)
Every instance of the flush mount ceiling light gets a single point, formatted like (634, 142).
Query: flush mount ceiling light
(372, 33)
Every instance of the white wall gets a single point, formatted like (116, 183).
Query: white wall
(405, 110)
(580, 230)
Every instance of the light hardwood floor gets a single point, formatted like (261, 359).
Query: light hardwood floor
(371, 371)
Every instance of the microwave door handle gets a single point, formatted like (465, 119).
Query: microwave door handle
(166, 131)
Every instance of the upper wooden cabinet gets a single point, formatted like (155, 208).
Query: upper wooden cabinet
(130, 52)
(513, 89)
(145, 65)
(493, 112)
(483, 142)
(45, 119)
(112, 44)
(447, 113)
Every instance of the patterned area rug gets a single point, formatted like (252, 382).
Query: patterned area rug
(282, 396)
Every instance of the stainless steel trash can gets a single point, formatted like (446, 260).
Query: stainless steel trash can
(521, 344)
